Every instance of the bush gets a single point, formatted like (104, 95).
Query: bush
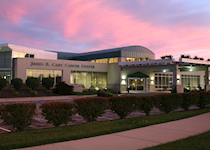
(104, 94)
(44, 89)
(29, 90)
(47, 83)
(63, 89)
(145, 103)
(17, 83)
(168, 102)
(112, 91)
(57, 112)
(16, 94)
(189, 99)
(3, 83)
(12, 90)
(91, 108)
(32, 83)
(203, 100)
(49, 92)
(33, 93)
(19, 115)
(0, 94)
(123, 106)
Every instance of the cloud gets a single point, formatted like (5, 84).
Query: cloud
(165, 27)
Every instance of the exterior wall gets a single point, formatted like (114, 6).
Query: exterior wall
(21, 64)
(113, 76)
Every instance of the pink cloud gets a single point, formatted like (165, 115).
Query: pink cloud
(101, 24)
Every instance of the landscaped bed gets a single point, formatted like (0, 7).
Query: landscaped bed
(66, 133)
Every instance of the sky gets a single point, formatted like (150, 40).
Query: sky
(166, 27)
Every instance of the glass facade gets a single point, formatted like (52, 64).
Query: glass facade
(6, 74)
(106, 60)
(6, 59)
(136, 59)
(21, 55)
(191, 80)
(89, 79)
(163, 80)
(37, 73)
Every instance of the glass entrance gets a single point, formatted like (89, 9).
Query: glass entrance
(136, 84)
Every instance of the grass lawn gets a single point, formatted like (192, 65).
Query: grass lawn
(66, 133)
(198, 142)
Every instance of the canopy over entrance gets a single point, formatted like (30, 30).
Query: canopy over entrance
(138, 75)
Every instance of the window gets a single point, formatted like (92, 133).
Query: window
(191, 81)
(163, 80)
(113, 60)
(89, 79)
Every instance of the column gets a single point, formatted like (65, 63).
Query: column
(207, 78)
(177, 87)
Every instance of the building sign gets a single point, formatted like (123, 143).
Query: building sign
(61, 65)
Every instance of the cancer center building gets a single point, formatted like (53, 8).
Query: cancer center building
(133, 67)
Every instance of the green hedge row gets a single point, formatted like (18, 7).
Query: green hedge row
(20, 115)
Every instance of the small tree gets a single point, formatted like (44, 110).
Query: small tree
(17, 83)
(47, 83)
(19, 115)
(32, 83)
(3, 83)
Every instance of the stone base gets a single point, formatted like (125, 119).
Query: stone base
(207, 87)
(77, 87)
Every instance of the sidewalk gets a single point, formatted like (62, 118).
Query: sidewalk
(137, 138)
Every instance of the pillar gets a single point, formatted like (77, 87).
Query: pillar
(207, 78)
(177, 83)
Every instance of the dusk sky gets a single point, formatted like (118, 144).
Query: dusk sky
(167, 27)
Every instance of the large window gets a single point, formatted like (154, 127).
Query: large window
(163, 80)
(6, 60)
(113, 60)
(37, 73)
(89, 79)
(21, 55)
(191, 80)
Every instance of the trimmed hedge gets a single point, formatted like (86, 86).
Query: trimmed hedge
(3, 83)
(123, 106)
(32, 83)
(47, 83)
(189, 99)
(20, 115)
(203, 100)
(63, 89)
(104, 94)
(17, 83)
(146, 104)
(58, 112)
(168, 102)
(91, 108)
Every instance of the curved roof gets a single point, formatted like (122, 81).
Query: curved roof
(128, 51)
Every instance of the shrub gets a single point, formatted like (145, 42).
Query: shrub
(91, 108)
(17, 83)
(33, 93)
(32, 83)
(145, 103)
(16, 94)
(63, 89)
(19, 115)
(112, 91)
(104, 94)
(203, 100)
(44, 89)
(0, 94)
(47, 83)
(57, 112)
(189, 99)
(169, 102)
(12, 90)
(123, 106)
(29, 90)
(3, 83)
(49, 92)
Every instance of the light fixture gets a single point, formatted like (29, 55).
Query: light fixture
(123, 77)
(152, 78)
(191, 69)
(164, 70)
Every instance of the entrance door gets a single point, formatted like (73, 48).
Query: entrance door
(136, 84)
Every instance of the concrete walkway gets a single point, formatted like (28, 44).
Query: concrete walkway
(137, 138)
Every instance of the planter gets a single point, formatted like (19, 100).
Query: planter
(194, 61)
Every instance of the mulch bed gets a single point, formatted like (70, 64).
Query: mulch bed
(22, 93)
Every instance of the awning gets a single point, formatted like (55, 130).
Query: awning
(138, 74)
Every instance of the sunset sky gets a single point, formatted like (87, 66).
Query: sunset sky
(167, 27)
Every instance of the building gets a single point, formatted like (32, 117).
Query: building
(133, 67)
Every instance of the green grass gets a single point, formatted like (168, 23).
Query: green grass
(66, 133)
(197, 142)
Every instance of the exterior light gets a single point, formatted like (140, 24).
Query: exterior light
(152, 78)
(164, 70)
(123, 77)
(190, 69)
